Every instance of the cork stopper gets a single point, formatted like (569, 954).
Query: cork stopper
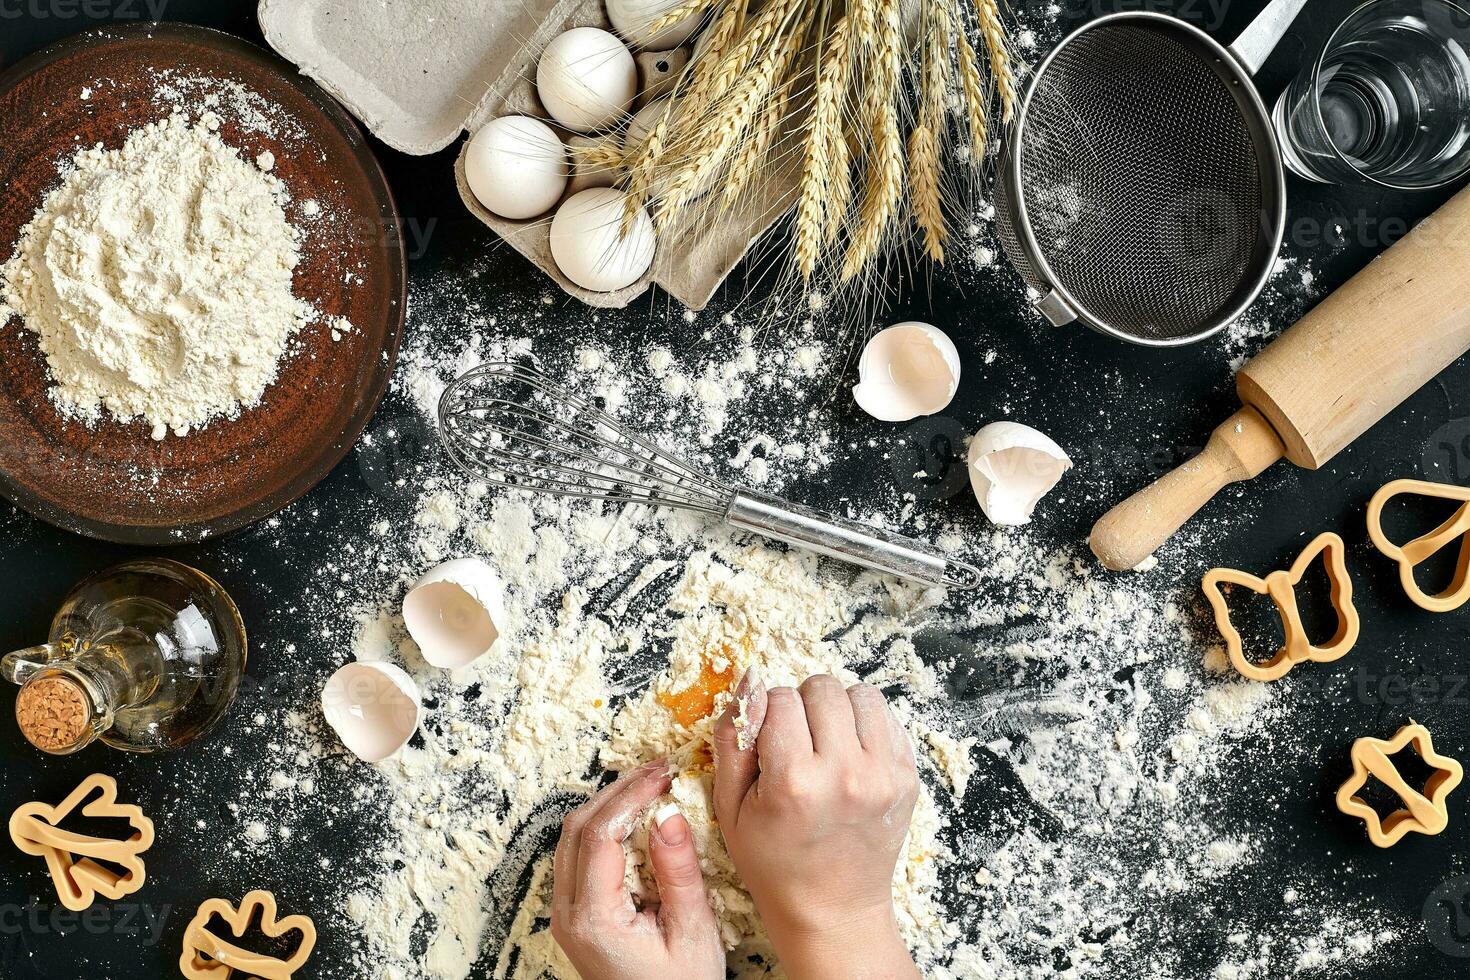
(53, 712)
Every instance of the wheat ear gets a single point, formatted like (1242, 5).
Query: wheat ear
(601, 156)
(641, 170)
(975, 99)
(730, 68)
(885, 164)
(924, 148)
(753, 152)
(730, 124)
(676, 15)
(819, 172)
(994, 33)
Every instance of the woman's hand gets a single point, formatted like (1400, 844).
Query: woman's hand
(593, 917)
(814, 791)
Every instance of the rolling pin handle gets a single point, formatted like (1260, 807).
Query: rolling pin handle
(1240, 449)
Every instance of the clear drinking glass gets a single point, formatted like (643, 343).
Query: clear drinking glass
(1388, 100)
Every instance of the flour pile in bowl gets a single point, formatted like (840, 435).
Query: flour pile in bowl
(158, 279)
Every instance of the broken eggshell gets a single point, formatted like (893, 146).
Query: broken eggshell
(907, 370)
(1012, 466)
(453, 613)
(373, 707)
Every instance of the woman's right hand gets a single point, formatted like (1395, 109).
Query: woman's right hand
(814, 791)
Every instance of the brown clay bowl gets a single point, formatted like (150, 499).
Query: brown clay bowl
(111, 480)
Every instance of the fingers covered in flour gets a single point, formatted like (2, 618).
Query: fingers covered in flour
(736, 761)
(594, 918)
(671, 851)
(601, 857)
(817, 842)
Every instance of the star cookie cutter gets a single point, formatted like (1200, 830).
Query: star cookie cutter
(1426, 546)
(1423, 813)
(73, 859)
(1281, 587)
(208, 956)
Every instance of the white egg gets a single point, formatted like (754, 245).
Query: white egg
(587, 79)
(907, 370)
(589, 246)
(373, 707)
(1012, 466)
(642, 123)
(634, 20)
(453, 613)
(517, 167)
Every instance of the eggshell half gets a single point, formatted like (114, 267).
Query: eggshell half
(373, 707)
(907, 370)
(587, 79)
(1012, 466)
(454, 612)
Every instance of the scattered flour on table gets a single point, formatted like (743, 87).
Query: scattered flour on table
(1068, 836)
(158, 279)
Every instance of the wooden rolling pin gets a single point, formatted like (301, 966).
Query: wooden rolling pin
(1349, 362)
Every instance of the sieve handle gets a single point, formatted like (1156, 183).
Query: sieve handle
(848, 541)
(1257, 41)
(1241, 449)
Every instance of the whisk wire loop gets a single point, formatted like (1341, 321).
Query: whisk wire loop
(513, 426)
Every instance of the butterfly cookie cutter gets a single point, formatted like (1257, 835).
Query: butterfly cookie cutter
(73, 859)
(1281, 587)
(1423, 812)
(1425, 546)
(208, 956)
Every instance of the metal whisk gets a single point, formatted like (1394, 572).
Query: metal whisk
(515, 427)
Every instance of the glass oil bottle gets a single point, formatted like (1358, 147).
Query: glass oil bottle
(145, 656)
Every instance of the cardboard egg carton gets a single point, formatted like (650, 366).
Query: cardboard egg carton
(420, 73)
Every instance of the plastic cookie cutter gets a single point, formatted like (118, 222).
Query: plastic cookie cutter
(208, 956)
(1426, 545)
(73, 859)
(1423, 813)
(1281, 587)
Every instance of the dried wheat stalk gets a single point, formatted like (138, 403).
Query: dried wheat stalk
(987, 12)
(925, 175)
(884, 187)
(975, 98)
(600, 156)
(753, 152)
(731, 124)
(823, 168)
(874, 151)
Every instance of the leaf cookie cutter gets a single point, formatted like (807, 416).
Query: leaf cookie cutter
(73, 859)
(1281, 587)
(1427, 545)
(1423, 813)
(208, 956)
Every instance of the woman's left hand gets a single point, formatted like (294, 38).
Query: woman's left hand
(593, 916)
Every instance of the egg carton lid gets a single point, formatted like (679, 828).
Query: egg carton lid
(418, 73)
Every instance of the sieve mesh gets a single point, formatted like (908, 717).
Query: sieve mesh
(1142, 183)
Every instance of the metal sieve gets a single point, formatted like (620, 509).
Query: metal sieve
(1140, 188)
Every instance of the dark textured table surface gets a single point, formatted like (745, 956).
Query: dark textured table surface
(1124, 411)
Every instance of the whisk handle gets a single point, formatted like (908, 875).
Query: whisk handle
(848, 541)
